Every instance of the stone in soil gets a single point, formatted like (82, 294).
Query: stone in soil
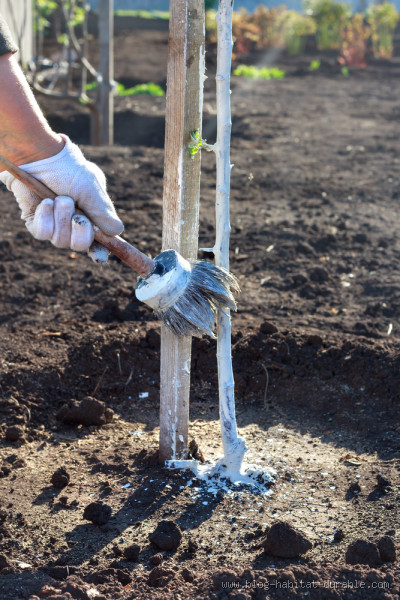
(14, 433)
(284, 541)
(338, 536)
(362, 552)
(60, 478)
(132, 552)
(387, 549)
(87, 412)
(97, 512)
(166, 536)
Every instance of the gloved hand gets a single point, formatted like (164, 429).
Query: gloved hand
(80, 184)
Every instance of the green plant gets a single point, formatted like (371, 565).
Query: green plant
(353, 47)
(329, 17)
(345, 71)
(143, 14)
(73, 9)
(260, 29)
(152, 89)
(268, 21)
(252, 72)
(314, 65)
(245, 32)
(42, 10)
(75, 12)
(294, 27)
(382, 19)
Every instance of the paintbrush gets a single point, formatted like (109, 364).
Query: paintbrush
(186, 295)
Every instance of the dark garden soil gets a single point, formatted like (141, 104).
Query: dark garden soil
(316, 246)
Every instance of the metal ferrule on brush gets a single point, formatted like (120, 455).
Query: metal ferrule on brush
(167, 281)
(185, 295)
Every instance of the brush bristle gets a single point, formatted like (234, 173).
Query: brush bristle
(208, 291)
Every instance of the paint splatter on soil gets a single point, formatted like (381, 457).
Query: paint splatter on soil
(315, 244)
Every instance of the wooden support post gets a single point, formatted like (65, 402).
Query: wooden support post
(185, 76)
(106, 68)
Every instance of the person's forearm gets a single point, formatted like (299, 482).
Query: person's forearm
(25, 135)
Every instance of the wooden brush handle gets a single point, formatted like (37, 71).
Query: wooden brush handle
(130, 255)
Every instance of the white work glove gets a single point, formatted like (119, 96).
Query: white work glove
(80, 184)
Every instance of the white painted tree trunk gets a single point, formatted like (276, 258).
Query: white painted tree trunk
(234, 447)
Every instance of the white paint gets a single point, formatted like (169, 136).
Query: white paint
(23, 565)
(202, 68)
(215, 475)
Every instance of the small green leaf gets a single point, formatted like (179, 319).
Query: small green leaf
(63, 39)
(91, 86)
(314, 65)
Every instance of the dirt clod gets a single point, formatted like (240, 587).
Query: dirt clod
(387, 549)
(166, 536)
(354, 488)
(382, 483)
(338, 536)
(362, 552)
(187, 575)
(156, 559)
(60, 478)
(268, 328)
(132, 552)
(160, 576)
(87, 412)
(4, 562)
(97, 512)
(14, 433)
(319, 274)
(285, 541)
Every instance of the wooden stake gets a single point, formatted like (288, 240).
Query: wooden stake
(185, 76)
(106, 67)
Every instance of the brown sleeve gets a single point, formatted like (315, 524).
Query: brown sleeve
(7, 44)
